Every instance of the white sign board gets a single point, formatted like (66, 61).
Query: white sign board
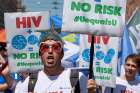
(98, 17)
(105, 58)
(23, 40)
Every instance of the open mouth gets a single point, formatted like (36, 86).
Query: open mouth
(129, 72)
(50, 59)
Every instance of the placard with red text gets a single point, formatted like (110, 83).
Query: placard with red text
(23, 39)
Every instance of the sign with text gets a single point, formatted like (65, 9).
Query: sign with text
(97, 17)
(105, 58)
(23, 40)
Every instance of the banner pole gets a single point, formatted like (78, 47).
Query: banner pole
(91, 75)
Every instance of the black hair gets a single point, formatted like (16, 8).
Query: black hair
(135, 58)
(2, 46)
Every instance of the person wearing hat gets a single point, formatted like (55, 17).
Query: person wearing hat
(53, 78)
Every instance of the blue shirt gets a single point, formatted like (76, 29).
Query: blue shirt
(2, 80)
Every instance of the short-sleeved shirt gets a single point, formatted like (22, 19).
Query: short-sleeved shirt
(123, 86)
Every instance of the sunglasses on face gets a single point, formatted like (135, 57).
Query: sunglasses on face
(44, 47)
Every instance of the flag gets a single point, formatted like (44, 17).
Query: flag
(57, 21)
(126, 49)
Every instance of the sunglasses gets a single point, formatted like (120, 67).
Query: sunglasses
(44, 47)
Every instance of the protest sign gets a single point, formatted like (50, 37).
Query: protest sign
(105, 58)
(97, 17)
(23, 40)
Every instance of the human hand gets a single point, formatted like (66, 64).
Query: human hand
(91, 86)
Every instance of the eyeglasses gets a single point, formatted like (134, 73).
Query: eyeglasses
(44, 47)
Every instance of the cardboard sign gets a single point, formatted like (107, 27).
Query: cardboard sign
(23, 40)
(97, 17)
(105, 58)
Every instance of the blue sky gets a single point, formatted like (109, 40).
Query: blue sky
(54, 6)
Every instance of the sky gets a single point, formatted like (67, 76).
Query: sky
(54, 6)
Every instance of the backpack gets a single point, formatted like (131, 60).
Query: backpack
(74, 79)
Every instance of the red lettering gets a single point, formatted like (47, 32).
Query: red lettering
(89, 38)
(97, 39)
(20, 22)
(105, 39)
(36, 21)
(27, 22)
